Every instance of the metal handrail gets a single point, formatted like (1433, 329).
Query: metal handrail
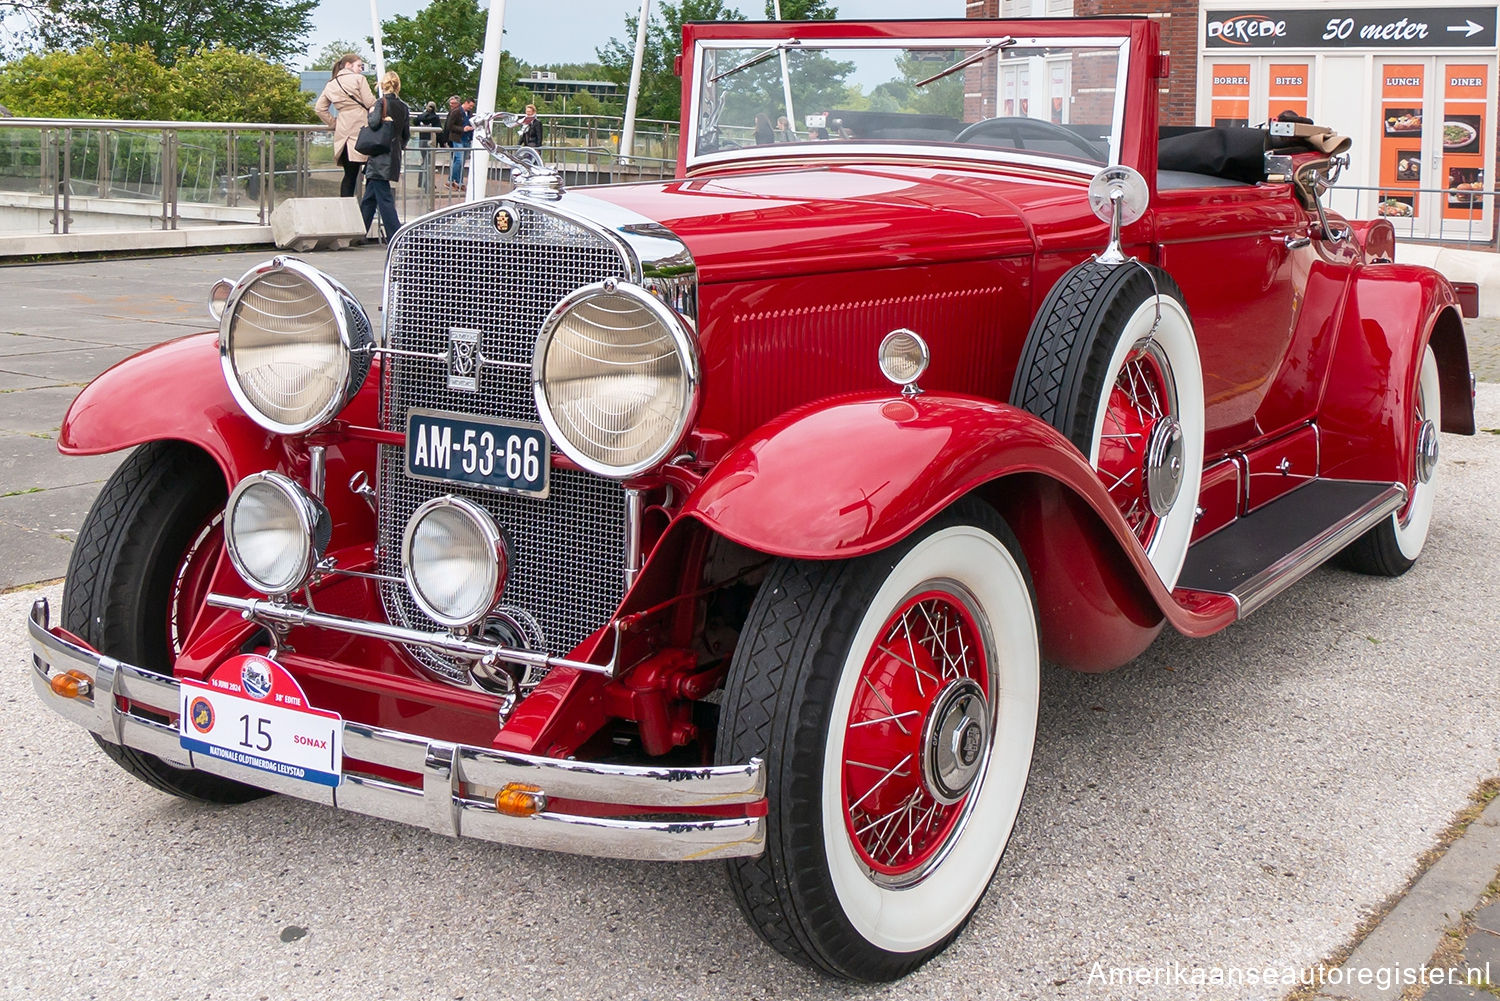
(238, 171)
(1477, 225)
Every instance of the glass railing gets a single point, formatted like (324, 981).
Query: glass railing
(68, 175)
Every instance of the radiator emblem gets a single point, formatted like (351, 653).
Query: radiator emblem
(463, 359)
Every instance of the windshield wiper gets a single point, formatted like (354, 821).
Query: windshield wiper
(969, 60)
(756, 59)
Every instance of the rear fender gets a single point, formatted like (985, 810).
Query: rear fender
(1394, 311)
(851, 476)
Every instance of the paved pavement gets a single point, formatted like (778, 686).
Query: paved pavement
(1232, 803)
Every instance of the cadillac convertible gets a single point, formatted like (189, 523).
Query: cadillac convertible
(730, 517)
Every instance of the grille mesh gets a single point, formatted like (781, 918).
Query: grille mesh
(456, 270)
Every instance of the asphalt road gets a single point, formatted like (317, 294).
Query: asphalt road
(1235, 802)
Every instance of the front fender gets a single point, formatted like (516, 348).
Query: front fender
(189, 401)
(853, 475)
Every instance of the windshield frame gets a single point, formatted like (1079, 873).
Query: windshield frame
(1025, 37)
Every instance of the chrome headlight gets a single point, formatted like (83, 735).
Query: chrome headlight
(615, 377)
(454, 560)
(275, 532)
(294, 344)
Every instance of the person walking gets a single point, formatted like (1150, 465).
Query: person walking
(429, 118)
(348, 94)
(460, 135)
(383, 168)
(530, 133)
(764, 134)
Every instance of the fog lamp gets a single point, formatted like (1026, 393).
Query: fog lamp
(275, 532)
(455, 561)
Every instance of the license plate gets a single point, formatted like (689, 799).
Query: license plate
(508, 456)
(251, 712)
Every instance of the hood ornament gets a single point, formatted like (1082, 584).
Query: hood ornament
(531, 177)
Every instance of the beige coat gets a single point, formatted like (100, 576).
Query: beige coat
(349, 94)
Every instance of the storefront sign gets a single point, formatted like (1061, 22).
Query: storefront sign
(1346, 27)
(1402, 115)
(1463, 125)
(1229, 93)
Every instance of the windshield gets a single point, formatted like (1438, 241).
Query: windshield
(1040, 97)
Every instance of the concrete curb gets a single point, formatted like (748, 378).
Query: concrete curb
(1408, 936)
(232, 235)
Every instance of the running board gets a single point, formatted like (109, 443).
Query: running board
(1254, 559)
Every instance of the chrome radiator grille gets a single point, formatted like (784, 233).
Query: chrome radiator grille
(456, 270)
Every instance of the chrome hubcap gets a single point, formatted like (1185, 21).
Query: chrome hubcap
(1164, 466)
(954, 741)
(1427, 451)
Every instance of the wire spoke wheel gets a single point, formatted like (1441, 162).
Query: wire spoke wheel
(916, 736)
(893, 698)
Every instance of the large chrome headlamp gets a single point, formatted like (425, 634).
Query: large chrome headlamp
(295, 345)
(615, 377)
(455, 561)
(275, 532)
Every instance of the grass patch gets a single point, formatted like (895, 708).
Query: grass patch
(19, 493)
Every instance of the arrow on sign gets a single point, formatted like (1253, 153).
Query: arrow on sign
(1468, 28)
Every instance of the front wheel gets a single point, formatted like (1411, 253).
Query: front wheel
(894, 700)
(138, 576)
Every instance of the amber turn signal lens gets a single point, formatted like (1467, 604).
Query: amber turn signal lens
(72, 684)
(518, 799)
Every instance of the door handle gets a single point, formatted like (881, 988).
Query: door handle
(1295, 242)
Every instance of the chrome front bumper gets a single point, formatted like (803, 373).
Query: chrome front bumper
(440, 803)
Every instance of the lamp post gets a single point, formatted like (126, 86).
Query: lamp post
(489, 82)
(632, 99)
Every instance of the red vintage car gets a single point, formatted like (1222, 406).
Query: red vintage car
(729, 517)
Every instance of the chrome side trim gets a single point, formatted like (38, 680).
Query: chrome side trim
(449, 799)
(273, 612)
(1306, 558)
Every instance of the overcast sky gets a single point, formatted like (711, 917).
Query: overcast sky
(568, 31)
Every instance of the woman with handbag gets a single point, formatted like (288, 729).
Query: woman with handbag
(348, 93)
(389, 125)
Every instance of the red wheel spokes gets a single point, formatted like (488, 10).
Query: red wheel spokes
(192, 583)
(893, 820)
(1135, 404)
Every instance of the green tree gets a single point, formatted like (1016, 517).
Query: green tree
(661, 91)
(438, 52)
(273, 28)
(333, 51)
(104, 80)
(803, 10)
(223, 85)
(126, 82)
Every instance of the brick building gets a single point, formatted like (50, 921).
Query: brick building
(1414, 85)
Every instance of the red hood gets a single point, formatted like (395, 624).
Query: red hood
(821, 219)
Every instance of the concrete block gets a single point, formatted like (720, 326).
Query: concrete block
(303, 224)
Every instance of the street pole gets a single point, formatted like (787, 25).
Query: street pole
(786, 80)
(633, 97)
(379, 51)
(489, 82)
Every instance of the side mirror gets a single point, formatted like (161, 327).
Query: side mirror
(1118, 195)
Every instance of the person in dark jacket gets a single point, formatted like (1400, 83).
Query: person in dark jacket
(530, 133)
(764, 134)
(429, 118)
(383, 168)
(460, 131)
